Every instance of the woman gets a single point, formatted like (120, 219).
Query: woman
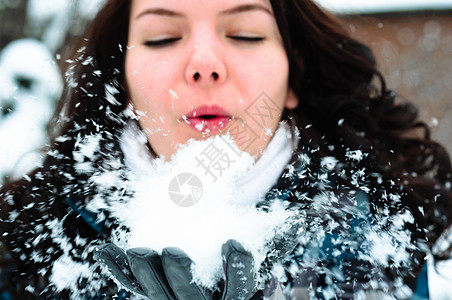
(362, 180)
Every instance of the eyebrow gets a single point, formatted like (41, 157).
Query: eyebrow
(245, 8)
(160, 12)
(234, 10)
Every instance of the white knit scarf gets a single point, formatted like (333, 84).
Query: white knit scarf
(255, 184)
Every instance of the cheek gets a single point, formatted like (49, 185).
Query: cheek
(140, 78)
(267, 73)
(275, 78)
(269, 65)
(138, 88)
(147, 83)
(150, 74)
(276, 67)
(137, 70)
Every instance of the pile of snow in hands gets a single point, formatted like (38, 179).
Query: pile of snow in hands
(196, 205)
(184, 204)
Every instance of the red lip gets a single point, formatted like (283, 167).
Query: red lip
(204, 110)
(217, 119)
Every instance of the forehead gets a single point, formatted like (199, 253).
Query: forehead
(202, 7)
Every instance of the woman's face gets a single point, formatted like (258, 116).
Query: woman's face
(200, 68)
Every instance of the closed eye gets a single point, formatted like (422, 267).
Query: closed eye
(169, 41)
(161, 43)
(249, 39)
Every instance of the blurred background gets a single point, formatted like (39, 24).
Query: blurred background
(32, 37)
(412, 40)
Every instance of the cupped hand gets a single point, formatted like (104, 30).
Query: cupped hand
(169, 276)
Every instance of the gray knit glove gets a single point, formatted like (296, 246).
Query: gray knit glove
(169, 276)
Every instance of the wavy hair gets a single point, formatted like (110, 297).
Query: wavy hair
(340, 90)
(345, 99)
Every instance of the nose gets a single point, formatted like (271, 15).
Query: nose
(206, 65)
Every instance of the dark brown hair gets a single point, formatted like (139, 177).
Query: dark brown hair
(344, 96)
(336, 80)
(341, 94)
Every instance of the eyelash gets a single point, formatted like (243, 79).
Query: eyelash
(248, 39)
(161, 43)
(165, 42)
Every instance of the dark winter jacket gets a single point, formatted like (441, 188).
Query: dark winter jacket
(45, 225)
